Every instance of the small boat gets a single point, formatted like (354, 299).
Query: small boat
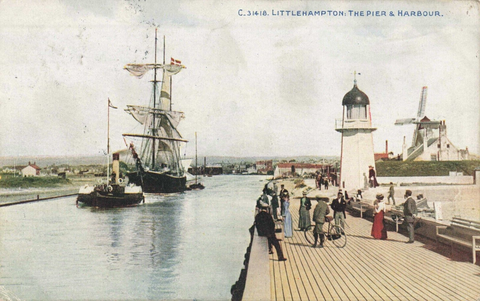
(197, 185)
(116, 192)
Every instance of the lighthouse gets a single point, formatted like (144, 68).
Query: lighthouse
(357, 141)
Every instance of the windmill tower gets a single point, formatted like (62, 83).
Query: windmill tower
(423, 129)
(357, 141)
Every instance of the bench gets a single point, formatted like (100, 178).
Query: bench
(396, 217)
(361, 207)
(462, 232)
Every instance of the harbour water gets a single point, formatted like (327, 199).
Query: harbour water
(181, 246)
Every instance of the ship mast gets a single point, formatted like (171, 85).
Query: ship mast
(154, 129)
(196, 165)
(108, 141)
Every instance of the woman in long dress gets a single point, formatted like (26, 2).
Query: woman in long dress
(287, 218)
(304, 213)
(378, 229)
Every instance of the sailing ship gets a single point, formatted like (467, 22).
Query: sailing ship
(158, 161)
(116, 192)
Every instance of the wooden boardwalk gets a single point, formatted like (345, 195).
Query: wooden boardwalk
(368, 269)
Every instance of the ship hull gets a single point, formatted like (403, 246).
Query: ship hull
(117, 197)
(154, 182)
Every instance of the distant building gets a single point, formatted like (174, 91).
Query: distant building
(31, 170)
(264, 167)
(215, 169)
(432, 144)
(13, 169)
(384, 156)
(287, 169)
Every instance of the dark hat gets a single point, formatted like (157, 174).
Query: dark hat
(379, 196)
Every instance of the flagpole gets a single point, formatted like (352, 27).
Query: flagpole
(108, 140)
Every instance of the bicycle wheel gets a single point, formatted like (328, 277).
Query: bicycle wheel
(308, 232)
(338, 236)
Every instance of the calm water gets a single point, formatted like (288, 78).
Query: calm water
(182, 246)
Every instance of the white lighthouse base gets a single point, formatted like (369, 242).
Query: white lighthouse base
(357, 156)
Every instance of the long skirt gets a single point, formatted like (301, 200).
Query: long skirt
(287, 221)
(378, 228)
(304, 220)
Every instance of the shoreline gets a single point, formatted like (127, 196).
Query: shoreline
(16, 195)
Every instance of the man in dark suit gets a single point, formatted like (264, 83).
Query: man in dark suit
(409, 211)
(283, 194)
(266, 227)
(338, 206)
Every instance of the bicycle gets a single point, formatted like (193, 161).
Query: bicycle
(334, 233)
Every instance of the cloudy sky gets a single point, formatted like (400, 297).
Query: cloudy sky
(254, 85)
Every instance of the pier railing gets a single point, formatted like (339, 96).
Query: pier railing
(353, 123)
(257, 286)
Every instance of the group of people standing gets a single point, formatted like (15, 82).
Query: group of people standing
(379, 230)
(273, 207)
(321, 180)
(319, 214)
(269, 210)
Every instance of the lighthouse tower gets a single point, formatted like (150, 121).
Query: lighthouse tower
(357, 141)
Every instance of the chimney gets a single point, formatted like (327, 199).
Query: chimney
(386, 147)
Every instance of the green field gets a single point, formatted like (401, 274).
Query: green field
(37, 182)
(424, 168)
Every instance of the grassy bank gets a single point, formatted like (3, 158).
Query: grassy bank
(32, 182)
(425, 168)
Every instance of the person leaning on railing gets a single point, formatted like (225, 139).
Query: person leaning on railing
(266, 227)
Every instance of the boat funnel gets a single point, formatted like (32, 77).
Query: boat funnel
(116, 166)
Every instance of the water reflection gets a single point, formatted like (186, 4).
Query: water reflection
(181, 246)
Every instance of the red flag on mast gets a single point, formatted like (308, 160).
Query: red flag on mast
(175, 62)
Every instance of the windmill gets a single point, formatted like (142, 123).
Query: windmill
(421, 123)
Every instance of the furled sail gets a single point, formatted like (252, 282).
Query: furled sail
(139, 70)
(140, 113)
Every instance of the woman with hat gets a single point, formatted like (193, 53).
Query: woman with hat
(378, 229)
(304, 213)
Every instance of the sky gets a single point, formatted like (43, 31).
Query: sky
(260, 85)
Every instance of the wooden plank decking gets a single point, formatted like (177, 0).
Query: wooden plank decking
(368, 269)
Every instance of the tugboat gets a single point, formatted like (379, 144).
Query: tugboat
(116, 192)
(158, 161)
